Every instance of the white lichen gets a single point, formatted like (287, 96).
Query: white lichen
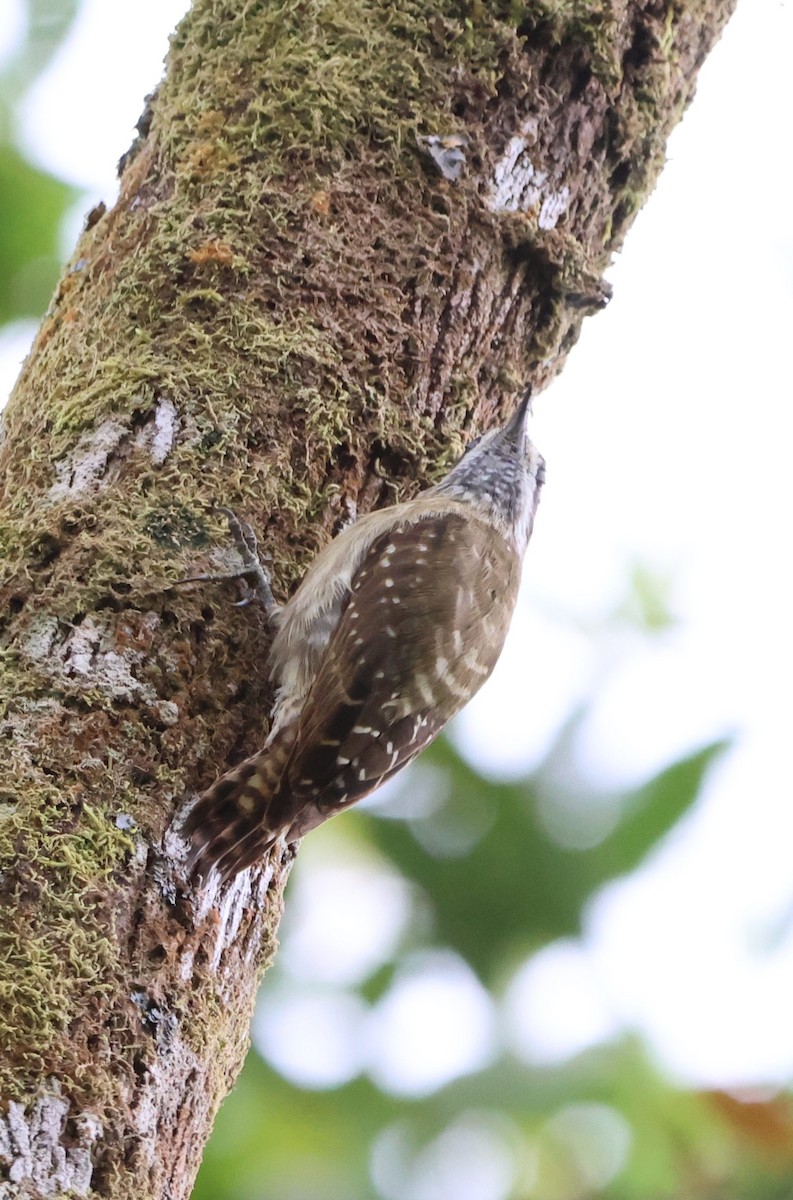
(231, 910)
(37, 1155)
(97, 458)
(512, 176)
(167, 712)
(40, 638)
(518, 184)
(85, 468)
(158, 436)
(90, 656)
(159, 1097)
(88, 652)
(553, 207)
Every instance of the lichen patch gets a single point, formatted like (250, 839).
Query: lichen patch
(85, 469)
(97, 458)
(518, 185)
(88, 655)
(36, 1151)
(158, 435)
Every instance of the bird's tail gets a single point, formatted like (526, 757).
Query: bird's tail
(230, 825)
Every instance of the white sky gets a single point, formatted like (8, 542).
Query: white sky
(667, 441)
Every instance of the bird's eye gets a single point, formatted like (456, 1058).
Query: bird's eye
(473, 442)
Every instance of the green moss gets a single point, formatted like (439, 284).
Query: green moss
(334, 71)
(338, 77)
(59, 954)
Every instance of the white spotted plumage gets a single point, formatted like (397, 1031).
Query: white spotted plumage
(359, 696)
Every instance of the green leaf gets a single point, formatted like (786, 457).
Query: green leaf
(651, 811)
(515, 889)
(32, 204)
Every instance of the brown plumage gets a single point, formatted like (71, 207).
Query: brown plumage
(395, 627)
(406, 655)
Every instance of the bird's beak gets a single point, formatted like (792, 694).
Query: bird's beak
(516, 427)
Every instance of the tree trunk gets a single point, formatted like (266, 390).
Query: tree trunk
(347, 233)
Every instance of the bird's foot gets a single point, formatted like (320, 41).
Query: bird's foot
(253, 570)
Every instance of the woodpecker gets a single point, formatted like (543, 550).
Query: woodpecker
(395, 626)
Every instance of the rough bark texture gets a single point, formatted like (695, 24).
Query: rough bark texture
(293, 311)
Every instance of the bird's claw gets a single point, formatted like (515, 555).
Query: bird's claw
(253, 570)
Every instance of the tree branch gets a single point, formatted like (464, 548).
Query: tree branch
(346, 234)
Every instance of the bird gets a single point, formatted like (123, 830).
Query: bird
(396, 624)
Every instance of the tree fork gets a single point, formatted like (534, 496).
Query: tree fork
(347, 234)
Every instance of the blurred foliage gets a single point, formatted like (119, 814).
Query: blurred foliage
(509, 891)
(497, 881)
(31, 206)
(540, 888)
(32, 202)
(647, 603)
(47, 23)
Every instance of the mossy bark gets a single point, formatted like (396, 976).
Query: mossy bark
(291, 310)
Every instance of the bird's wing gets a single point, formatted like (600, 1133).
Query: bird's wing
(425, 623)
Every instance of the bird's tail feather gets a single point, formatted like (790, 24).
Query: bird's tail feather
(230, 825)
